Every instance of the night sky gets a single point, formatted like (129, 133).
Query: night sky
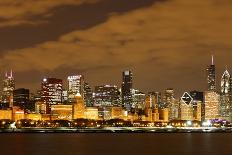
(166, 43)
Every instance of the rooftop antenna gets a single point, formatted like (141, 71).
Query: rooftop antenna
(11, 73)
(212, 60)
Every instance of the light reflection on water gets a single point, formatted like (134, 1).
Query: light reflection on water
(116, 144)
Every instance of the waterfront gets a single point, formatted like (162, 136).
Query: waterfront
(118, 130)
(115, 144)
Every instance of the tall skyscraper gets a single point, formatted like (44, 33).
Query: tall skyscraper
(88, 95)
(51, 92)
(157, 99)
(106, 95)
(211, 76)
(211, 105)
(75, 85)
(168, 98)
(226, 96)
(138, 99)
(8, 88)
(127, 90)
(21, 98)
(225, 82)
(186, 107)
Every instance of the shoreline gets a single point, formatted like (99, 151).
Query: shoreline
(118, 130)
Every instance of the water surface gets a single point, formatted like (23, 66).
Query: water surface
(115, 143)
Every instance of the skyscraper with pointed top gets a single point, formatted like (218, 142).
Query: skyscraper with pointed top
(211, 76)
(226, 96)
(8, 88)
(225, 82)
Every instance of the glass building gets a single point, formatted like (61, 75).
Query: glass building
(51, 92)
(75, 86)
(211, 76)
(127, 90)
(106, 95)
(8, 88)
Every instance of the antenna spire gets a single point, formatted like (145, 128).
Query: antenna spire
(212, 59)
(11, 73)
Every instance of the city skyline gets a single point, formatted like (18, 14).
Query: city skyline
(161, 37)
(178, 91)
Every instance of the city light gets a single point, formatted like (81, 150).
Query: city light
(112, 106)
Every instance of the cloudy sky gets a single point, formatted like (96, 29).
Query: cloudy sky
(166, 43)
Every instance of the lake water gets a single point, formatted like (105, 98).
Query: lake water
(116, 144)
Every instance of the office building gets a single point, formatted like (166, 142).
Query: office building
(106, 95)
(88, 95)
(8, 88)
(211, 105)
(75, 86)
(211, 76)
(21, 98)
(51, 92)
(127, 90)
(226, 96)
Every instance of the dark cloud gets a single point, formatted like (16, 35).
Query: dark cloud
(64, 19)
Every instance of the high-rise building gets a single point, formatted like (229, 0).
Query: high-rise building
(226, 96)
(211, 76)
(225, 82)
(51, 92)
(21, 98)
(156, 98)
(138, 100)
(75, 85)
(170, 103)
(186, 111)
(88, 95)
(106, 95)
(8, 88)
(198, 102)
(211, 105)
(127, 90)
(168, 98)
(186, 107)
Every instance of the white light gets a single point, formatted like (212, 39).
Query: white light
(189, 123)
(44, 80)
(207, 123)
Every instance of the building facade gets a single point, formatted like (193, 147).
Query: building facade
(51, 92)
(127, 90)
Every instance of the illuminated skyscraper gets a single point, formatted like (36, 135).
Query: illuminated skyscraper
(88, 95)
(8, 88)
(186, 107)
(75, 85)
(127, 90)
(226, 96)
(225, 82)
(211, 76)
(211, 105)
(51, 92)
(138, 99)
(156, 99)
(168, 98)
(170, 103)
(106, 95)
